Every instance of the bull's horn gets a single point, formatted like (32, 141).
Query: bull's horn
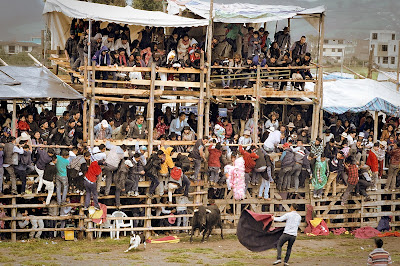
(209, 211)
(196, 210)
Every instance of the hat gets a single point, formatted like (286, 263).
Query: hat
(344, 135)
(96, 150)
(171, 218)
(247, 132)
(383, 143)
(217, 127)
(129, 163)
(104, 123)
(61, 127)
(143, 148)
(286, 145)
(24, 136)
(97, 36)
(72, 32)
(361, 134)
(291, 125)
(7, 130)
(193, 41)
(271, 129)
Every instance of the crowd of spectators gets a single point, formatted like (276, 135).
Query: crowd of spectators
(112, 46)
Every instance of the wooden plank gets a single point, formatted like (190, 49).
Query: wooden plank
(117, 99)
(148, 69)
(119, 91)
(264, 92)
(150, 109)
(176, 83)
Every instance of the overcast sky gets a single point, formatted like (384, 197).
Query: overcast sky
(353, 19)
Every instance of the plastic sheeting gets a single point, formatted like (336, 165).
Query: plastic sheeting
(356, 95)
(34, 82)
(58, 15)
(241, 12)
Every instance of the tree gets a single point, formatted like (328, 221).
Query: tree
(152, 5)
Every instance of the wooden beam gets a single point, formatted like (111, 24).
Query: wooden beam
(84, 106)
(3, 62)
(370, 61)
(150, 109)
(264, 92)
(92, 102)
(14, 119)
(209, 64)
(355, 73)
(148, 69)
(200, 106)
(256, 115)
(117, 99)
(398, 66)
(376, 126)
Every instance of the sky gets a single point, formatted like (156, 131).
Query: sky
(20, 20)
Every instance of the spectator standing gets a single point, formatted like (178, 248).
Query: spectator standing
(61, 177)
(379, 256)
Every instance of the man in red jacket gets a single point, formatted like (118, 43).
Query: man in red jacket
(90, 184)
(214, 163)
(250, 158)
(373, 163)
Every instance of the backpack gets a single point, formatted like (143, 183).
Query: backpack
(176, 173)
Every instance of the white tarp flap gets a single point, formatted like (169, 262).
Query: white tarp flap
(59, 13)
(350, 94)
(240, 12)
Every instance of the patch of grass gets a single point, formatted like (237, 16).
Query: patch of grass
(134, 257)
(38, 263)
(261, 257)
(79, 257)
(235, 255)
(176, 259)
(176, 250)
(47, 257)
(4, 259)
(202, 250)
(199, 262)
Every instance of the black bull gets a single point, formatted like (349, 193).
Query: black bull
(204, 219)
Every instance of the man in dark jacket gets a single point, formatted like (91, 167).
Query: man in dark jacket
(121, 180)
(287, 161)
(151, 169)
(260, 168)
(24, 161)
(71, 51)
(138, 129)
(102, 58)
(134, 175)
(11, 152)
(299, 48)
(49, 176)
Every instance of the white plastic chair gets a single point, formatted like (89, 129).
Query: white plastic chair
(121, 223)
(107, 225)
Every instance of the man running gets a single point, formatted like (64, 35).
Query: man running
(293, 220)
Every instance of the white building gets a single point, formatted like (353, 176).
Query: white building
(385, 48)
(336, 49)
(17, 47)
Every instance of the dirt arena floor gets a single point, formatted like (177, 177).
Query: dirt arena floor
(330, 250)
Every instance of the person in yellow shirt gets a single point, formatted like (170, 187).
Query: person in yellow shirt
(164, 171)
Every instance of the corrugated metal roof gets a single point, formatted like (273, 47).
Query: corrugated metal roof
(17, 82)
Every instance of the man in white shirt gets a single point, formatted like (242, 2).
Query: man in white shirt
(123, 43)
(289, 235)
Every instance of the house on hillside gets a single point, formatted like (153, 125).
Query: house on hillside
(10, 47)
(385, 46)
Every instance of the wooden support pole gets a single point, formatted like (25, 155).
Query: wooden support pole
(376, 126)
(84, 106)
(14, 119)
(200, 106)
(398, 66)
(92, 102)
(81, 220)
(320, 84)
(370, 62)
(256, 116)
(3, 62)
(150, 109)
(14, 223)
(209, 54)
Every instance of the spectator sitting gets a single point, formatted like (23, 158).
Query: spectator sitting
(138, 129)
(102, 131)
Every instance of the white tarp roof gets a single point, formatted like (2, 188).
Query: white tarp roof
(241, 12)
(58, 15)
(358, 95)
(35, 82)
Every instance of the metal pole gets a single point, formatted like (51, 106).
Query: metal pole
(89, 44)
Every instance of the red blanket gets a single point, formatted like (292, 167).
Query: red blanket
(365, 232)
(397, 234)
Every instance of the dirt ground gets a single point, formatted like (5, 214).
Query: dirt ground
(331, 250)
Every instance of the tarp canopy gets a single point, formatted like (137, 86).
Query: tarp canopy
(357, 95)
(17, 82)
(241, 12)
(58, 15)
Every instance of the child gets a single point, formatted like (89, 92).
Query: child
(266, 180)
(214, 163)
(49, 176)
(161, 127)
(136, 171)
(379, 256)
(254, 44)
(245, 140)
(23, 125)
(237, 64)
(61, 177)
(352, 180)
(249, 69)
